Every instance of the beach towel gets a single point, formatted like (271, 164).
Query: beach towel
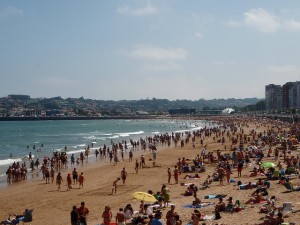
(197, 206)
(213, 196)
(208, 217)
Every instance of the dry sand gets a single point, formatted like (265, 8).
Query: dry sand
(53, 207)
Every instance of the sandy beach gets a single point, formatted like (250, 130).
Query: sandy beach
(51, 206)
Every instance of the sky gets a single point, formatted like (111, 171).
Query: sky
(138, 49)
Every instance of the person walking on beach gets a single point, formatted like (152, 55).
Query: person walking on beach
(83, 213)
(124, 175)
(115, 185)
(52, 174)
(59, 179)
(75, 176)
(107, 215)
(80, 180)
(69, 182)
(170, 216)
(142, 163)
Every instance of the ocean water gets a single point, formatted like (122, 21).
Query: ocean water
(18, 138)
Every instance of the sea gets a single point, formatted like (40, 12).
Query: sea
(43, 138)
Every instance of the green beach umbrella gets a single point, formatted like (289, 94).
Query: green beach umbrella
(268, 164)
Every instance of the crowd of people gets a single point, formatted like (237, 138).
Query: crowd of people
(239, 151)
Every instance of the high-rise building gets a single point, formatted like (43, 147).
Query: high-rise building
(288, 94)
(284, 97)
(274, 97)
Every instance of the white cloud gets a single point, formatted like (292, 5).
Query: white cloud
(292, 25)
(233, 23)
(147, 10)
(158, 53)
(10, 12)
(287, 69)
(198, 35)
(261, 20)
(161, 67)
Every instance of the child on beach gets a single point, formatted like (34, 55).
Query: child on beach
(115, 185)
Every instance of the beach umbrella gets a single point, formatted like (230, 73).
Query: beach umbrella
(268, 164)
(144, 196)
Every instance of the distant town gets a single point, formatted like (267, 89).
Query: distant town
(19, 106)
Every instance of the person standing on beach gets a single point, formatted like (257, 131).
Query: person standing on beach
(166, 195)
(80, 180)
(47, 175)
(228, 173)
(75, 176)
(170, 216)
(69, 182)
(83, 213)
(136, 166)
(176, 174)
(74, 216)
(120, 217)
(107, 215)
(240, 168)
(130, 155)
(169, 175)
(59, 179)
(115, 185)
(221, 174)
(124, 175)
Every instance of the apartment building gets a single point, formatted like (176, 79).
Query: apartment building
(282, 97)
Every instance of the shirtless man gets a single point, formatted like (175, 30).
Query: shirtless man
(69, 182)
(115, 185)
(137, 166)
(120, 217)
(59, 179)
(124, 175)
(80, 180)
(170, 215)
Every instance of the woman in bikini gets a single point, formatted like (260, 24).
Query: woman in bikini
(107, 215)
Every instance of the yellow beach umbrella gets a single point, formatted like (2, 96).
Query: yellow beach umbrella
(144, 196)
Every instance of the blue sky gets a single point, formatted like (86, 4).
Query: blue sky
(137, 49)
